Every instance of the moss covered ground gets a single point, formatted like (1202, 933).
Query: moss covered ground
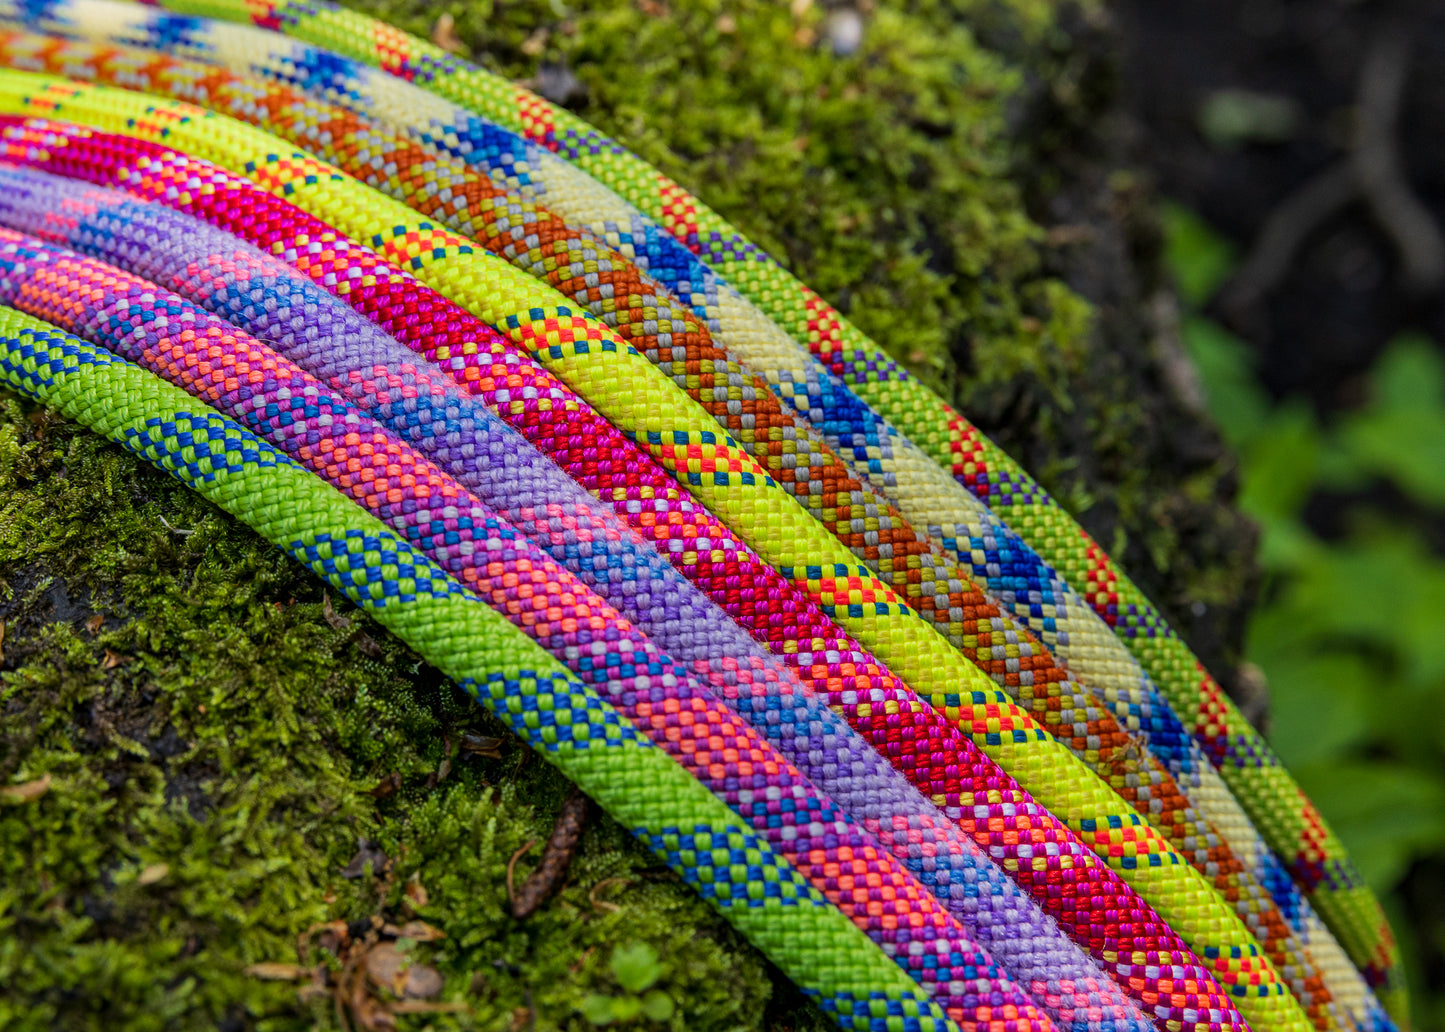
(224, 801)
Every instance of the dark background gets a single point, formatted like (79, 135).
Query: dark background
(1319, 342)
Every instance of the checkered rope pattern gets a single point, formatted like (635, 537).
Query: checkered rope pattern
(1012, 572)
(1174, 892)
(1140, 951)
(337, 345)
(1288, 821)
(561, 717)
(275, 399)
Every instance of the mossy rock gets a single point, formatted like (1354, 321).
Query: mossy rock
(235, 764)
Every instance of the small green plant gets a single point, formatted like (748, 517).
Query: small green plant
(637, 970)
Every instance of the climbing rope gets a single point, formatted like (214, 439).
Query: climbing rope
(633, 395)
(532, 239)
(562, 718)
(1275, 802)
(1141, 952)
(306, 325)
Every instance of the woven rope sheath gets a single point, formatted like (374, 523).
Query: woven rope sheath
(798, 462)
(1142, 953)
(1016, 575)
(1004, 731)
(181, 253)
(1291, 824)
(272, 397)
(562, 718)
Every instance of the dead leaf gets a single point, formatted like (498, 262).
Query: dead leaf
(367, 644)
(2, 641)
(338, 623)
(421, 932)
(365, 853)
(153, 874)
(422, 982)
(386, 967)
(534, 44)
(481, 745)
(424, 1007)
(388, 786)
(416, 892)
(444, 35)
(276, 972)
(93, 622)
(113, 660)
(27, 792)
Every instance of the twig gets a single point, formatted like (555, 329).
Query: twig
(1371, 172)
(1377, 164)
(556, 858)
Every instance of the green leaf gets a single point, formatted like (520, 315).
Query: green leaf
(1226, 367)
(626, 1008)
(636, 967)
(598, 1009)
(658, 1006)
(1400, 434)
(1199, 258)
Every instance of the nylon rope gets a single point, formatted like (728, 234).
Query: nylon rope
(562, 718)
(1295, 940)
(1107, 676)
(625, 392)
(1039, 852)
(265, 298)
(1276, 803)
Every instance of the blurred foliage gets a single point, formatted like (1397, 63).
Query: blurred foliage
(1348, 629)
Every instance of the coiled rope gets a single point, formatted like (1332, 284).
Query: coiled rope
(309, 327)
(1142, 953)
(632, 393)
(546, 706)
(1275, 802)
(1002, 730)
(1109, 676)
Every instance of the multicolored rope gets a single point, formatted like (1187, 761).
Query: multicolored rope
(1140, 950)
(810, 471)
(1273, 799)
(218, 363)
(561, 717)
(226, 277)
(1000, 728)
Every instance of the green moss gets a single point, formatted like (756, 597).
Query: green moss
(212, 748)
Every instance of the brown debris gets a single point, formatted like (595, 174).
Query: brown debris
(444, 35)
(27, 792)
(337, 622)
(387, 786)
(557, 857)
(481, 745)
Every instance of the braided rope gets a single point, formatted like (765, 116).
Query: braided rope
(1273, 799)
(561, 717)
(1011, 570)
(333, 343)
(275, 399)
(1140, 950)
(636, 396)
